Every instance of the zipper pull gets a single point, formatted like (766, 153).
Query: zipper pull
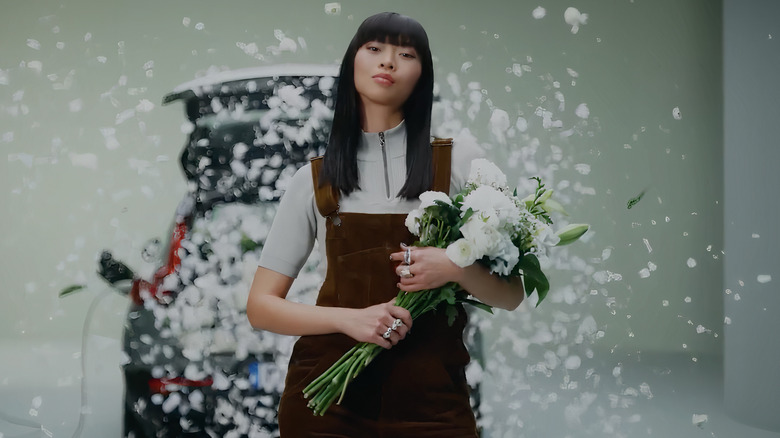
(384, 161)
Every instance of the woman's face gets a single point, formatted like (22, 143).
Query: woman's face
(386, 74)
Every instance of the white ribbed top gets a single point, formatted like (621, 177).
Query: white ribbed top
(298, 223)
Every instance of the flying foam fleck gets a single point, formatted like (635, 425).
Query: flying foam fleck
(574, 18)
(333, 8)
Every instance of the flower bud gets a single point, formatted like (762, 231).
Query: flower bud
(551, 205)
(570, 233)
(545, 196)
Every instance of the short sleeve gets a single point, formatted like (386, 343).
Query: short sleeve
(464, 149)
(294, 228)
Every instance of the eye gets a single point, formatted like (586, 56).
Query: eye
(409, 52)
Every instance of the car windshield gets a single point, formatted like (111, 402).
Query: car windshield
(249, 136)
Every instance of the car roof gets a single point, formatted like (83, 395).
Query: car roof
(206, 84)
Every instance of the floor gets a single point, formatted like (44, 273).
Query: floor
(661, 396)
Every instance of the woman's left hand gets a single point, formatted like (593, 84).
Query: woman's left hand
(429, 268)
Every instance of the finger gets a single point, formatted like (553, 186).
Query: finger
(404, 271)
(382, 341)
(401, 331)
(403, 315)
(409, 285)
(399, 312)
(394, 337)
(397, 329)
(411, 279)
(399, 256)
(387, 322)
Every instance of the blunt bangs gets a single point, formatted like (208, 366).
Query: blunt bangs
(393, 28)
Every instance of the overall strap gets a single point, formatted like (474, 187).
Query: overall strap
(326, 196)
(442, 162)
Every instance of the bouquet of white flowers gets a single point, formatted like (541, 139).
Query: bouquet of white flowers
(485, 223)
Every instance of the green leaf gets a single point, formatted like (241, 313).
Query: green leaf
(452, 313)
(447, 294)
(465, 217)
(71, 289)
(477, 304)
(248, 244)
(533, 277)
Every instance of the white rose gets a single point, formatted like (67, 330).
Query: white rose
(412, 221)
(508, 212)
(506, 258)
(493, 203)
(488, 216)
(484, 172)
(461, 252)
(482, 235)
(430, 197)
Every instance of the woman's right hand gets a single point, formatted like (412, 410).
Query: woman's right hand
(369, 324)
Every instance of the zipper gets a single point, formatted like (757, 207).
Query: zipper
(384, 159)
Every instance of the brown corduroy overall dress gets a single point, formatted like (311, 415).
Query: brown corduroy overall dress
(417, 388)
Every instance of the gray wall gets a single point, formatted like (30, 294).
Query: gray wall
(635, 63)
(751, 268)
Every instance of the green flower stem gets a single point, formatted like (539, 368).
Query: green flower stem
(444, 238)
(327, 378)
(332, 384)
(318, 400)
(325, 401)
(348, 378)
(327, 375)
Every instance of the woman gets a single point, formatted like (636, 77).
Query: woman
(354, 202)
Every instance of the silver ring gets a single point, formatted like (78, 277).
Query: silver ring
(397, 323)
(387, 333)
(408, 256)
(406, 273)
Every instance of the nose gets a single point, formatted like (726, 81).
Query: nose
(387, 62)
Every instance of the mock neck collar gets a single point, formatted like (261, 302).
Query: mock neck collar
(390, 131)
(395, 143)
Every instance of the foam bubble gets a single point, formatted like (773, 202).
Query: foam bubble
(333, 8)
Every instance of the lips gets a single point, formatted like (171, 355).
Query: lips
(385, 77)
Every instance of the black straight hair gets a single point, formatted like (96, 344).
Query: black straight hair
(340, 159)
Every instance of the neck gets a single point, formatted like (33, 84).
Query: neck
(377, 118)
